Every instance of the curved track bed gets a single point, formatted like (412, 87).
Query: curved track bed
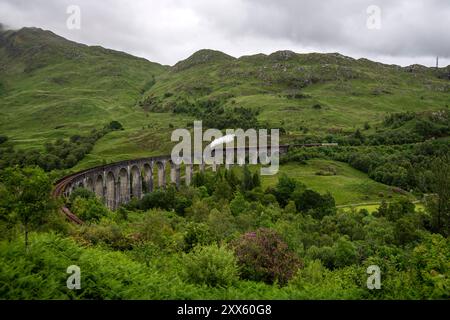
(58, 191)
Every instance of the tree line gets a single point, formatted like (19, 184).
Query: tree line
(59, 154)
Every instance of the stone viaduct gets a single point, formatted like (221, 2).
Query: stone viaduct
(117, 183)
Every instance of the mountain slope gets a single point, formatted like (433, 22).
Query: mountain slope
(201, 57)
(319, 92)
(52, 87)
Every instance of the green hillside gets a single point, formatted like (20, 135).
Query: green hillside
(51, 87)
(319, 92)
(346, 185)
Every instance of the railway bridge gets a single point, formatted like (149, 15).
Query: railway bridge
(117, 183)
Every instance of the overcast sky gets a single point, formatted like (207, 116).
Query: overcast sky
(166, 31)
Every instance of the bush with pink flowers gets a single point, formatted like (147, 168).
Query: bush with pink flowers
(264, 256)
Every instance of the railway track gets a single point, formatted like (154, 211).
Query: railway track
(58, 192)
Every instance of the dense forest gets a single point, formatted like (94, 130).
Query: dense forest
(223, 237)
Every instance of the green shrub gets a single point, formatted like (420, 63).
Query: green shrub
(238, 205)
(115, 125)
(90, 210)
(156, 228)
(284, 189)
(82, 193)
(316, 282)
(311, 201)
(107, 234)
(431, 258)
(196, 234)
(211, 265)
(345, 252)
(379, 231)
(325, 254)
(342, 253)
(312, 275)
(221, 223)
(167, 199)
(145, 252)
(198, 211)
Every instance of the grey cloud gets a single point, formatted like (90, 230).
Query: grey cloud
(408, 27)
(413, 31)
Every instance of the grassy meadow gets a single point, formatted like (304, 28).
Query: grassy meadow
(347, 186)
